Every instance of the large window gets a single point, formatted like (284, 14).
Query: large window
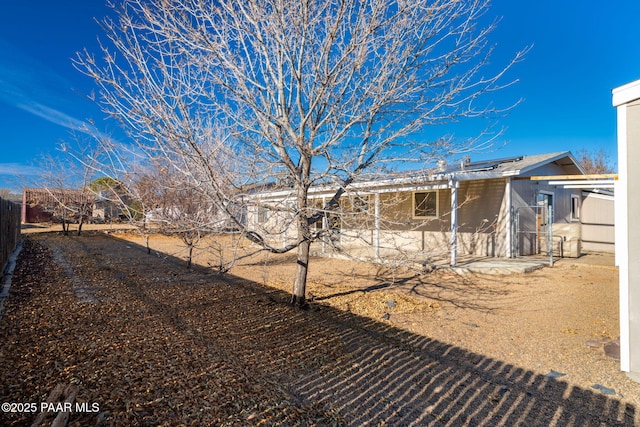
(425, 204)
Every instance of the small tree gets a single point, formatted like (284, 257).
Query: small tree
(298, 92)
(179, 209)
(64, 190)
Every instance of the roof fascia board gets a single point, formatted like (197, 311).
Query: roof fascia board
(551, 160)
(599, 194)
(626, 93)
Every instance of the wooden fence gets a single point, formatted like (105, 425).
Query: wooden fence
(9, 230)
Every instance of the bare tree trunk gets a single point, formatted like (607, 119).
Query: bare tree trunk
(190, 256)
(80, 222)
(300, 283)
(65, 226)
(304, 237)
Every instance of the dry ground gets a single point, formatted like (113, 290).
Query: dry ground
(155, 344)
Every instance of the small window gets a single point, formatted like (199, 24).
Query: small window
(545, 205)
(575, 207)
(263, 214)
(425, 204)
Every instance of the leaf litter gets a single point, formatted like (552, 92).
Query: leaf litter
(148, 349)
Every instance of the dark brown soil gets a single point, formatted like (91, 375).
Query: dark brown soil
(152, 343)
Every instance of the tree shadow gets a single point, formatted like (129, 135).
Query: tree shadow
(367, 371)
(457, 290)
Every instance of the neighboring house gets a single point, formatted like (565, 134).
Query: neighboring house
(496, 208)
(106, 209)
(45, 204)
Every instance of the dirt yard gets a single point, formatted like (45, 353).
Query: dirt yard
(152, 343)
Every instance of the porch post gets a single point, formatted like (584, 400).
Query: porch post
(509, 217)
(325, 226)
(376, 220)
(454, 221)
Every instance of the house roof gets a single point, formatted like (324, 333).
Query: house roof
(49, 195)
(515, 166)
(443, 176)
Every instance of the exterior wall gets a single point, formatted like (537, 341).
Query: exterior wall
(421, 245)
(524, 194)
(597, 219)
(566, 230)
(626, 99)
(273, 222)
(481, 222)
(484, 220)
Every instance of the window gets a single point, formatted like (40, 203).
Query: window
(575, 207)
(425, 204)
(263, 214)
(545, 209)
(359, 204)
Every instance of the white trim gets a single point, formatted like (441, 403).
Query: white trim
(574, 214)
(622, 238)
(626, 94)
(376, 221)
(454, 221)
(509, 232)
(590, 186)
(591, 194)
(595, 183)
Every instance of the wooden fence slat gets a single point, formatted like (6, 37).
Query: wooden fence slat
(10, 216)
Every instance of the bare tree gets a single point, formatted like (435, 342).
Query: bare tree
(595, 162)
(241, 95)
(63, 190)
(178, 208)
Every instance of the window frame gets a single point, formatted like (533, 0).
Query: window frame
(550, 198)
(413, 204)
(262, 214)
(574, 208)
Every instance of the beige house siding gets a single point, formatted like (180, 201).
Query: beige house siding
(598, 218)
(481, 218)
(488, 194)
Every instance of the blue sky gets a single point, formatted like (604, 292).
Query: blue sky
(581, 50)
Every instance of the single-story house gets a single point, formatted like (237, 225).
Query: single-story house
(496, 208)
(47, 204)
